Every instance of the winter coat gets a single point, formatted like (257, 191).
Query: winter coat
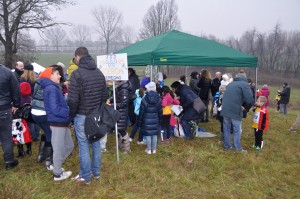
(150, 114)
(237, 93)
(260, 118)
(18, 74)
(215, 84)
(56, 107)
(37, 97)
(204, 85)
(285, 95)
(265, 92)
(166, 103)
(9, 89)
(187, 97)
(72, 68)
(137, 102)
(91, 81)
(193, 85)
(135, 82)
(122, 100)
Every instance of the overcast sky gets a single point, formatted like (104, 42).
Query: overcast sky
(222, 18)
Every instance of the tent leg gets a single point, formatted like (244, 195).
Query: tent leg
(256, 70)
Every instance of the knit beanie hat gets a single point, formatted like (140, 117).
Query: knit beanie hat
(28, 67)
(151, 86)
(46, 73)
(25, 89)
(225, 80)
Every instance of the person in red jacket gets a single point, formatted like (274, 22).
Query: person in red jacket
(260, 122)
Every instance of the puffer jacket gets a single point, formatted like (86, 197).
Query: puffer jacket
(91, 81)
(56, 106)
(193, 85)
(285, 95)
(167, 101)
(37, 97)
(9, 89)
(237, 93)
(187, 97)
(122, 100)
(265, 92)
(150, 114)
(205, 86)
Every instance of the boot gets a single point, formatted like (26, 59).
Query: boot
(49, 156)
(29, 151)
(41, 156)
(21, 152)
(125, 144)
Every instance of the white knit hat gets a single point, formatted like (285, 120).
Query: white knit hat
(225, 80)
(151, 86)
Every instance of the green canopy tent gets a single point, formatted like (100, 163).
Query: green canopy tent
(178, 48)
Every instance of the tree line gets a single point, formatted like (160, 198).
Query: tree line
(276, 50)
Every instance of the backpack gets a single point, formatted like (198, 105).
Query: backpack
(100, 121)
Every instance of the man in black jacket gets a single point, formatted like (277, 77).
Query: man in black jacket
(86, 92)
(19, 69)
(9, 103)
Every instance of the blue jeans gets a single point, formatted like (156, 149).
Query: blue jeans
(151, 145)
(86, 165)
(236, 124)
(187, 128)
(41, 120)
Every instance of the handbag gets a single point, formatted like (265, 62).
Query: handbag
(25, 113)
(199, 106)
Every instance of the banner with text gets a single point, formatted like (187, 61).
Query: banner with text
(113, 66)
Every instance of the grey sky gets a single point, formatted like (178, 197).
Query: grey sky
(222, 18)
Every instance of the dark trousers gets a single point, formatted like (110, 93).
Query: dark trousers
(166, 125)
(6, 136)
(41, 121)
(131, 113)
(135, 128)
(258, 137)
(206, 113)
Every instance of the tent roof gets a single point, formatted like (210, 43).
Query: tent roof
(178, 48)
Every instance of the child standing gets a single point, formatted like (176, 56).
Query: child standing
(58, 117)
(260, 121)
(167, 101)
(137, 103)
(150, 117)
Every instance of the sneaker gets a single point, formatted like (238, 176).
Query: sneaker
(95, 177)
(79, 179)
(130, 139)
(154, 151)
(148, 151)
(104, 150)
(258, 148)
(242, 151)
(51, 167)
(141, 143)
(64, 175)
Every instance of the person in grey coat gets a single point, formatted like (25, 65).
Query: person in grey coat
(237, 93)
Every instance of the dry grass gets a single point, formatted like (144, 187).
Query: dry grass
(183, 169)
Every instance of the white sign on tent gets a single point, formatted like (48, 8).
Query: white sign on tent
(113, 66)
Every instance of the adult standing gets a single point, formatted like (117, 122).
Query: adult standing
(9, 103)
(186, 98)
(216, 83)
(19, 69)
(237, 93)
(205, 92)
(284, 98)
(89, 81)
(194, 81)
(135, 85)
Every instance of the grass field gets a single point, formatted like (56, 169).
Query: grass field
(198, 168)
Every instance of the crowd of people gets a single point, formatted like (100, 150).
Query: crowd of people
(61, 99)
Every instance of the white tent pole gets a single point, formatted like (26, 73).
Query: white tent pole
(116, 125)
(256, 70)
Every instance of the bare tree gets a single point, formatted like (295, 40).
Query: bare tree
(108, 21)
(124, 37)
(18, 15)
(160, 18)
(80, 34)
(55, 36)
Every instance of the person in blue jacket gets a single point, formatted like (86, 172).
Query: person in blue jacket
(58, 117)
(150, 117)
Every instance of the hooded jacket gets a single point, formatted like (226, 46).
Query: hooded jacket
(89, 81)
(285, 94)
(55, 105)
(150, 114)
(237, 93)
